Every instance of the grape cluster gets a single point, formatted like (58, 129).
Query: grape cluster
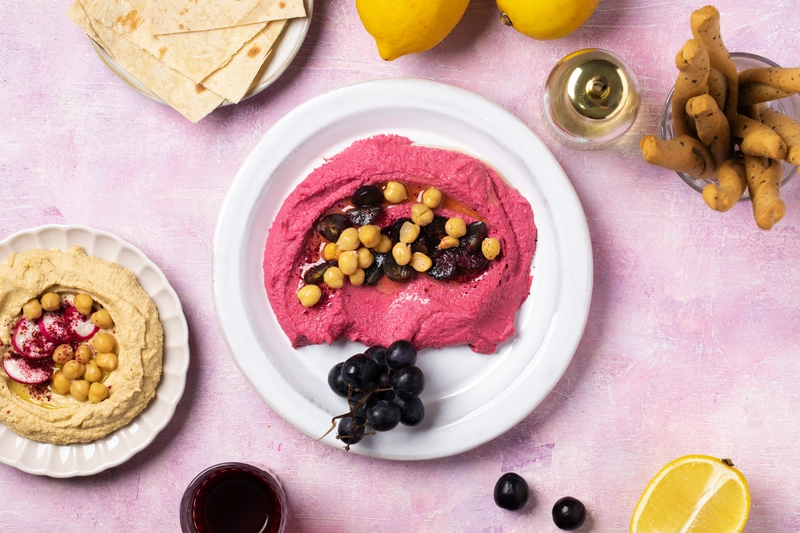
(382, 387)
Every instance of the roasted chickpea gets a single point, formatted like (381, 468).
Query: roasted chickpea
(421, 214)
(348, 262)
(80, 389)
(84, 303)
(432, 198)
(92, 372)
(395, 192)
(63, 353)
(51, 301)
(349, 240)
(102, 319)
(490, 248)
(83, 354)
(357, 277)
(420, 262)
(104, 342)
(108, 361)
(73, 369)
(32, 309)
(409, 232)
(370, 235)
(331, 252)
(448, 242)
(385, 246)
(99, 392)
(334, 278)
(308, 295)
(401, 253)
(59, 383)
(365, 258)
(456, 227)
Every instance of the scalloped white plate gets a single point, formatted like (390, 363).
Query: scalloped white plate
(117, 447)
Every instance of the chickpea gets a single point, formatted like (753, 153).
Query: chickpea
(60, 384)
(401, 253)
(32, 309)
(357, 277)
(448, 242)
(108, 361)
(370, 235)
(84, 303)
(455, 227)
(409, 232)
(331, 252)
(432, 198)
(348, 262)
(73, 369)
(80, 389)
(104, 342)
(102, 319)
(385, 246)
(490, 248)
(92, 373)
(308, 295)
(365, 258)
(83, 354)
(63, 353)
(421, 262)
(349, 240)
(334, 278)
(51, 301)
(99, 392)
(395, 192)
(421, 214)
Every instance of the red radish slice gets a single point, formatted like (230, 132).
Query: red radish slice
(55, 328)
(80, 324)
(26, 371)
(29, 342)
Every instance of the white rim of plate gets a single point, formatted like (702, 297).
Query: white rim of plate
(282, 140)
(71, 460)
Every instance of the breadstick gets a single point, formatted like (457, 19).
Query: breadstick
(757, 139)
(718, 87)
(712, 126)
(785, 79)
(731, 183)
(763, 184)
(786, 127)
(705, 28)
(753, 92)
(692, 61)
(681, 154)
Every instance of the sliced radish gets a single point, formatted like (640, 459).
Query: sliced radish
(26, 371)
(55, 328)
(80, 324)
(29, 342)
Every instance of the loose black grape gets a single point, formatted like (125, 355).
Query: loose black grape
(478, 229)
(420, 245)
(511, 492)
(361, 371)
(569, 513)
(350, 430)
(335, 381)
(412, 412)
(444, 264)
(393, 231)
(361, 216)
(374, 272)
(469, 261)
(401, 354)
(397, 272)
(408, 382)
(470, 244)
(331, 226)
(316, 274)
(367, 195)
(435, 232)
(383, 416)
(378, 353)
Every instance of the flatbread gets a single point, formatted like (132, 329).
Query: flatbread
(190, 99)
(178, 16)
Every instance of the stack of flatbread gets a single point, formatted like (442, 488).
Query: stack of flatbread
(193, 54)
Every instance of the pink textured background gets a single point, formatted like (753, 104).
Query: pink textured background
(692, 342)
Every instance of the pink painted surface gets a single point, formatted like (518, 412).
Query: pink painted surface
(692, 342)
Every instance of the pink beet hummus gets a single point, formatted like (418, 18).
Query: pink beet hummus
(430, 313)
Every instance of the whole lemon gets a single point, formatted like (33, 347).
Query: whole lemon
(409, 26)
(546, 19)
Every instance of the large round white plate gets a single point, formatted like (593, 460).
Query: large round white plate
(469, 398)
(117, 447)
(278, 60)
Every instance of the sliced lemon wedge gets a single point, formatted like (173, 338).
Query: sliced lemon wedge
(694, 494)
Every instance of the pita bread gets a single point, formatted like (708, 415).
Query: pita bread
(179, 16)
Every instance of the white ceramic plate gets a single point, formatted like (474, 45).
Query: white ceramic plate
(282, 54)
(117, 447)
(469, 398)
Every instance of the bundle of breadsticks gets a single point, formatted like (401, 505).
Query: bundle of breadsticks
(716, 109)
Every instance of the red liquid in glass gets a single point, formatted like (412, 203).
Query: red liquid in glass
(236, 500)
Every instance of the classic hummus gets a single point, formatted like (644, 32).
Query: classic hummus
(37, 412)
(430, 313)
